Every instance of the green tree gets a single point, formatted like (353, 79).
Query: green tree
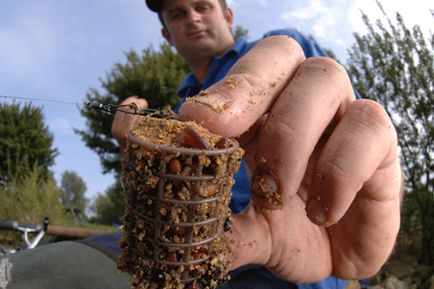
(395, 66)
(25, 142)
(109, 207)
(154, 75)
(239, 31)
(29, 199)
(73, 188)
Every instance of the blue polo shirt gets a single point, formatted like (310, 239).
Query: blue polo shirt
(241, 189)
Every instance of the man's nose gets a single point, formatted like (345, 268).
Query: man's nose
(193, 16)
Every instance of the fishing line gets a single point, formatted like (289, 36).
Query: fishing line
(40, 99)
(105, 108)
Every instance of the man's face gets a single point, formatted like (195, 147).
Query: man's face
(197, 28)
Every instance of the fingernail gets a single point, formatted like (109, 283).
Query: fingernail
(316, 212)
(265, 191)
(314, 208)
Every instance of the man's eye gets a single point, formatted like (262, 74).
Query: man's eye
(202, 8)
(177, 15)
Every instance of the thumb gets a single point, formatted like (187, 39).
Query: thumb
(249, 239)
(231, 106)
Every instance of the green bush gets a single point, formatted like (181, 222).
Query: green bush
(29, 199)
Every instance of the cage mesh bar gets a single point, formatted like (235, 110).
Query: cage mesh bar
(186, 221)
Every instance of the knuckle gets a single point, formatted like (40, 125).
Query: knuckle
(327, 72)
(143, 103)
(130, 99)
(370, 114)
(279, 124)
(325, 65)
(140, 102)
(337, 168)
(282, 43)
(272, 49)
(252, 78)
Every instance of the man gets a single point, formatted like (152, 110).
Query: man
(330, 160)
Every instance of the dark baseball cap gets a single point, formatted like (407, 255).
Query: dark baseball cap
(155, 5)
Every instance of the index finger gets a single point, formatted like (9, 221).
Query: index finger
(248, 90)
(123, 122)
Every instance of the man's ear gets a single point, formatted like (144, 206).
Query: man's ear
(166, 35)
(229, 16)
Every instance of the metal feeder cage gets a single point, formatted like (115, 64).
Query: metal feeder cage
(184, 220)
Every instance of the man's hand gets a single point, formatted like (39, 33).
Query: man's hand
(332, 160)
(124, 122)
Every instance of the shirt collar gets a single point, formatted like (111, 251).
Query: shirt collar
(190, 80)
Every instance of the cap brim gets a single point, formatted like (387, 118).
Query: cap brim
(155, 5)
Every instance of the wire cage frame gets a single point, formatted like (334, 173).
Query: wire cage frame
(175, 215)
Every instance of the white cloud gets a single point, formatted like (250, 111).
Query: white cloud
(318, 18)
(333, 22)
(416, 12)
(313, 8)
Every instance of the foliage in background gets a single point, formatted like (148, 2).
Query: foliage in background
(25, 142)
(72, 194)
(394, 65)
(153, 75)
(239, 31)
(29, 200)
(109, 207)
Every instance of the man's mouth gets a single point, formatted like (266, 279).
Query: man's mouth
(196, 34)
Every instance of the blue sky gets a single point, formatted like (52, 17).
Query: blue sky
(59, 49)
